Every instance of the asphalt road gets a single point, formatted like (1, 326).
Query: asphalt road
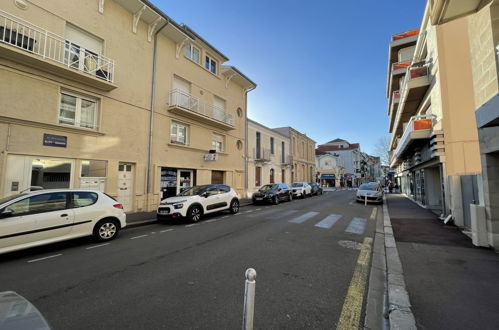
(184, 276)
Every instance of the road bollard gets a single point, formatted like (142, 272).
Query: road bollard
(365, 199)
(249, 299)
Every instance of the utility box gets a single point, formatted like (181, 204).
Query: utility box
(478, 225)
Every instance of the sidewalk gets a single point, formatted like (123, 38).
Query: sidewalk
(141, 218)
(451, 283)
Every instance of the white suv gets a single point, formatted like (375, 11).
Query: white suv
(301, 189)
(48, 216)
(196, 201)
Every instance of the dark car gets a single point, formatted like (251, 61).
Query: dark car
(273, 193)
(316, 189)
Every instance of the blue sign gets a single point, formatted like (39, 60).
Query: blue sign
(328, 176)
(52, 140)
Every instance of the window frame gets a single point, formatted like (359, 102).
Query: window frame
(186, 133)
(78, 109)
(209, 59)
(73, 204)
(29, 212)
(221, 140)
(189, 48)
(272, 151)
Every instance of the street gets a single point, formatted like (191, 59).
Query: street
(191, 276)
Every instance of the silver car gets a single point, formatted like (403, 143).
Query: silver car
(370, 191)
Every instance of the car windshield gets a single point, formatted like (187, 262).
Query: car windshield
(193, 191)
(368, 187)
(297, 184)
(8, 199)
(267, 187)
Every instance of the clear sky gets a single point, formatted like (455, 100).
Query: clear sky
(320, 66)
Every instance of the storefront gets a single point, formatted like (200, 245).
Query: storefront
(174, 181)
(328, 180)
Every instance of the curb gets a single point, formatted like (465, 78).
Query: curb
(149, 221)
(399, 311)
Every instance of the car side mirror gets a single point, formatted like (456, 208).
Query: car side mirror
(205, 194)
(279, 189)
(6, 214)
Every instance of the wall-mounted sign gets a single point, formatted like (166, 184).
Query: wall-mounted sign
(52, 140)
(210, 157)
(328, 176)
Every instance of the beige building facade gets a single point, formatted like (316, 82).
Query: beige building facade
(116, 96)
(329, 168)
(302, 150)
(269, 158)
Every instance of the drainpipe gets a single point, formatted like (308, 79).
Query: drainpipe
(151, 118)
(246, 140)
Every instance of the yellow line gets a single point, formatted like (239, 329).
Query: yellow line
(373, 213)
(352, 307)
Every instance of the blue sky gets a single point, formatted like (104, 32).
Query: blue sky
(320, 66)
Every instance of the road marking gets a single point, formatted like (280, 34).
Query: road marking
(140, 236)
(259, 209)
(352, 307)
(191, 225)
(373, 213)
(96, 246)
(248, 211)
(225, 217)
(283, 214)
(44, 258)
(328, 221)
(351, 203)
(164, 231)
(356, 226)
(212, 220)
(304, 217)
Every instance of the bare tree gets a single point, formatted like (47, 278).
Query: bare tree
(381, 150)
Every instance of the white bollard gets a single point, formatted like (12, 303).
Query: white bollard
(365, 199)
(249, 299)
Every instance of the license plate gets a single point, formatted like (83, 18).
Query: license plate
(164, 211)
(258, 198)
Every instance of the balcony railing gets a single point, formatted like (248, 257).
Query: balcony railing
(21, 34)
(405, 34)
(261, 154)
(400, 65)
(418, 127)
(186, 101)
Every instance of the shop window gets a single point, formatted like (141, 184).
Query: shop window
(79, 111)
(93, 168)
(178, 133)
(218, 142)
(51, 173)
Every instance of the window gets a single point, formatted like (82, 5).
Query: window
(283, 158)
(178, 133)
(93, 168)
(82, 50)
(78, 111)
(84, 198)
(272, 145)
(210, 64)
(271, 175)
(39, 204)
(258, 146)
(192, 52)
(218, 142)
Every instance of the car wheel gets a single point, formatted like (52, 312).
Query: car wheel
(106, 230)
(275, 200)
(194, 213)
(234, 206)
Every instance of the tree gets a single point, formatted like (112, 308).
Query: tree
(381, 150)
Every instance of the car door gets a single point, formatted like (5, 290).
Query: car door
(282, 193)
(224, 196)
(36, 218)
(86, 211)
(212, 199)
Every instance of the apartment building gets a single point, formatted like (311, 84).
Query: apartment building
(329, 168)
(302, 151)
(269, 157)
(116, 96)
(434, 142)
(350, 155)
(482, 17)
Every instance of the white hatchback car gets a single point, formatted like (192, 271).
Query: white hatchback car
(48, 216)
(301, 189)
(198, 200)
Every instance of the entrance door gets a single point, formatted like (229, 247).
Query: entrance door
(217, 177)
(184, 180)
(125, 186)
(469, 192)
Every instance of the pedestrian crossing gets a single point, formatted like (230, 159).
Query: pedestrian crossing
(304, 217)
(356, 226)
(328, 221)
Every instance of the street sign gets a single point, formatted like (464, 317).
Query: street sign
(210, 157)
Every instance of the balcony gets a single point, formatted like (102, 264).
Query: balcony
(415, 85)
(186, 105)
(442, 11)
(392, 110)
(418, 128)
(261, 154)
(25, 43)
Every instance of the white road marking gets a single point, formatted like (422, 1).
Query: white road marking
(225, 217)
(258, 209)
(350, 203)
(249, 211)
(212, 220)
(283, 214)
(164, 231)
(328, 221)
(96, 246)
(304, 217)
(140, 236)
(44, 258)
(191, 225)
(356, 226)
(153, 232)
(373, 213)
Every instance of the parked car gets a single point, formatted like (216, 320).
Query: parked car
(372, 191)
(273, 193)
(301, 189)
(17, 312)
(316, 189)
(47, 216)
(196, 201)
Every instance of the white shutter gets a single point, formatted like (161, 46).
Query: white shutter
(83, 39)
(182, 85)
